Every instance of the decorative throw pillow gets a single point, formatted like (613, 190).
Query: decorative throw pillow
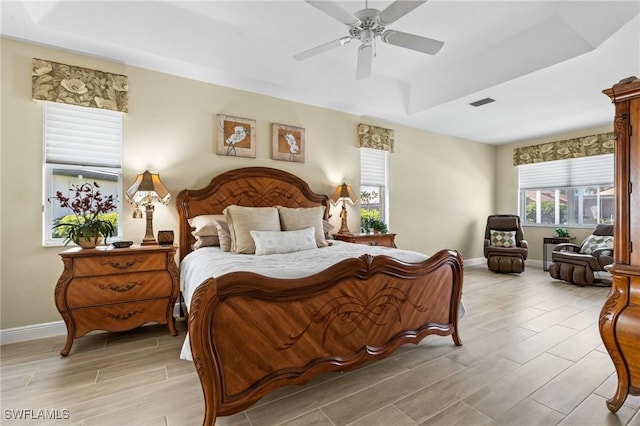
(205, 225)
(293, 219)
(595, 242)
(242, 220)
(274, 242)
(503, 238)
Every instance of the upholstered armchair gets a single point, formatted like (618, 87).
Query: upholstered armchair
(579, 264)
(504, 245)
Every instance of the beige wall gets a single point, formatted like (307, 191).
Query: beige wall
(507, 187)
(442, 188)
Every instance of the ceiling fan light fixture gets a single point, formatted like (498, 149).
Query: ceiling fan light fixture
(368, 24)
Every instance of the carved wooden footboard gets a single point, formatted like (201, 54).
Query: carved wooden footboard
(251, 334)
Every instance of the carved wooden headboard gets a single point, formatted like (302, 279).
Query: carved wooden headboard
(250, 187)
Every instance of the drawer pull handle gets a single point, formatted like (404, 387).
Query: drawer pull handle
(124, 317)
(120, 288)
(373, 243)
(121, 266)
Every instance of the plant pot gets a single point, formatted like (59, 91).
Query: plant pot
(90, 243)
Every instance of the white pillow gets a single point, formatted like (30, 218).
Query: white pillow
(242, 220)
(274, 242)
(293, 219)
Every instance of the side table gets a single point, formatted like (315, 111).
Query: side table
(387, 240)
(551, 241)
(116, 289)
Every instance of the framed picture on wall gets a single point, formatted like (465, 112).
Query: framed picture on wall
(287, 143)
(236, 136)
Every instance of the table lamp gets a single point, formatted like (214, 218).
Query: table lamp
(147, 189)
(345, 194)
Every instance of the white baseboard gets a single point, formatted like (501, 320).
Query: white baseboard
(31, 332)
(535, 263)
(474, 261)
(40, 331)
(481, 261)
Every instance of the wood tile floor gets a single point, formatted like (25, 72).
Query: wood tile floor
(532, 355)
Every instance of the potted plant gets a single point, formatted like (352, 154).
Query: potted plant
(370, 223)
(88, 225)
(563, 233)
(378, 226)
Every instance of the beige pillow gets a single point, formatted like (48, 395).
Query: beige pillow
(206, 242)
(294, 219)
(328, 228)
(205, 225)
(242, 220)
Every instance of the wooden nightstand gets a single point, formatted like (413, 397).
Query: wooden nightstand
(116, 289)
(387, 240)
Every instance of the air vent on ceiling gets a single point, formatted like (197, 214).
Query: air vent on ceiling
(482, 102)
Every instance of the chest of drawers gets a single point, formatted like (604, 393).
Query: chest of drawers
(387, 240)
(116, 289)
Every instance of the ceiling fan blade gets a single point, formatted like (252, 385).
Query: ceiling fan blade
(412, 41)
(397, 10)
(365, 61)
(335, 11)
(322, 48)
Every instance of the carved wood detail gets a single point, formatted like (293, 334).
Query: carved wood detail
(619, 320)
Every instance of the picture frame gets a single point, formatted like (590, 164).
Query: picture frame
(236, 136)
(287, 143)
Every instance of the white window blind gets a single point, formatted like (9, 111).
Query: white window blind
(584, 171)
(82, 136)
(373, 167)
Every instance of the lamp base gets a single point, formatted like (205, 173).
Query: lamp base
(149, 239)
(344, 229)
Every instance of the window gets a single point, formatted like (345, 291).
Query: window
(80, 145)
(573, 192)
(374, 171)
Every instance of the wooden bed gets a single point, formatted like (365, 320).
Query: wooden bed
(251, 334)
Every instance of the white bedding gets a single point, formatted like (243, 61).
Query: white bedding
(208, 262)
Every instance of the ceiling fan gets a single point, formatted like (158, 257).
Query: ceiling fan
(368, 24)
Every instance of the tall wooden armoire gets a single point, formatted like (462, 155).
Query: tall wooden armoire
(620, 316)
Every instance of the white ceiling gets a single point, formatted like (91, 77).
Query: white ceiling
(544, 62)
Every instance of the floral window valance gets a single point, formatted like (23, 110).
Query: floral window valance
(52, 81)
(375, 137)
(585, 146)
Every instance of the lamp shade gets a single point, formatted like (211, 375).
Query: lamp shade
(148, 188)
(344, 192)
